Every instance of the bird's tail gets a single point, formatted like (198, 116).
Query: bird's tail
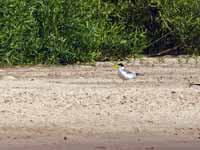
(139, 74)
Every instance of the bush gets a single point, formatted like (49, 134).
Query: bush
(67, 31)
(18, 30)
(182, 18)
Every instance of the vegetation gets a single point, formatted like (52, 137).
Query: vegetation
(68, 31)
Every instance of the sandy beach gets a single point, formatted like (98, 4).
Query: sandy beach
(87, 107)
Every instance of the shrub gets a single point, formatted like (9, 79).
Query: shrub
(182, 19)
(67, 31)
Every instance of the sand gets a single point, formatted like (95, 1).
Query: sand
(42, 104)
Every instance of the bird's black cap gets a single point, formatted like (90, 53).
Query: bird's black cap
(121, 65)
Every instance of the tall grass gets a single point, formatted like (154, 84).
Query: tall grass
(67, 31)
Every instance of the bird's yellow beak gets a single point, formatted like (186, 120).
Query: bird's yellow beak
(115, 66)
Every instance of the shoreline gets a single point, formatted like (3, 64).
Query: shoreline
(106, 142)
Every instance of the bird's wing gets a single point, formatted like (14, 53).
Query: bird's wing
(128, 72)
(136, 73)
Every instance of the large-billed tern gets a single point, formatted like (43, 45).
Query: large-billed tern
(125, 74)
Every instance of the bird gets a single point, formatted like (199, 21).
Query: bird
(125, 74)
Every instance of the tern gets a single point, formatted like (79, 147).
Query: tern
(125, 74)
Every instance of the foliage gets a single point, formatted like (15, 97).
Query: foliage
(182, 18)
(67, 31)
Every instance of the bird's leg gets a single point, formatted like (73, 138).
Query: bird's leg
(123, 81)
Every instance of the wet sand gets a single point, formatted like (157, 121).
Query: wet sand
(106, 142)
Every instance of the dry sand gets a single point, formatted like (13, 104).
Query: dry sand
(89, 107)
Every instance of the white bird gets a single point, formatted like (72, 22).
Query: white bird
(125, 74)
